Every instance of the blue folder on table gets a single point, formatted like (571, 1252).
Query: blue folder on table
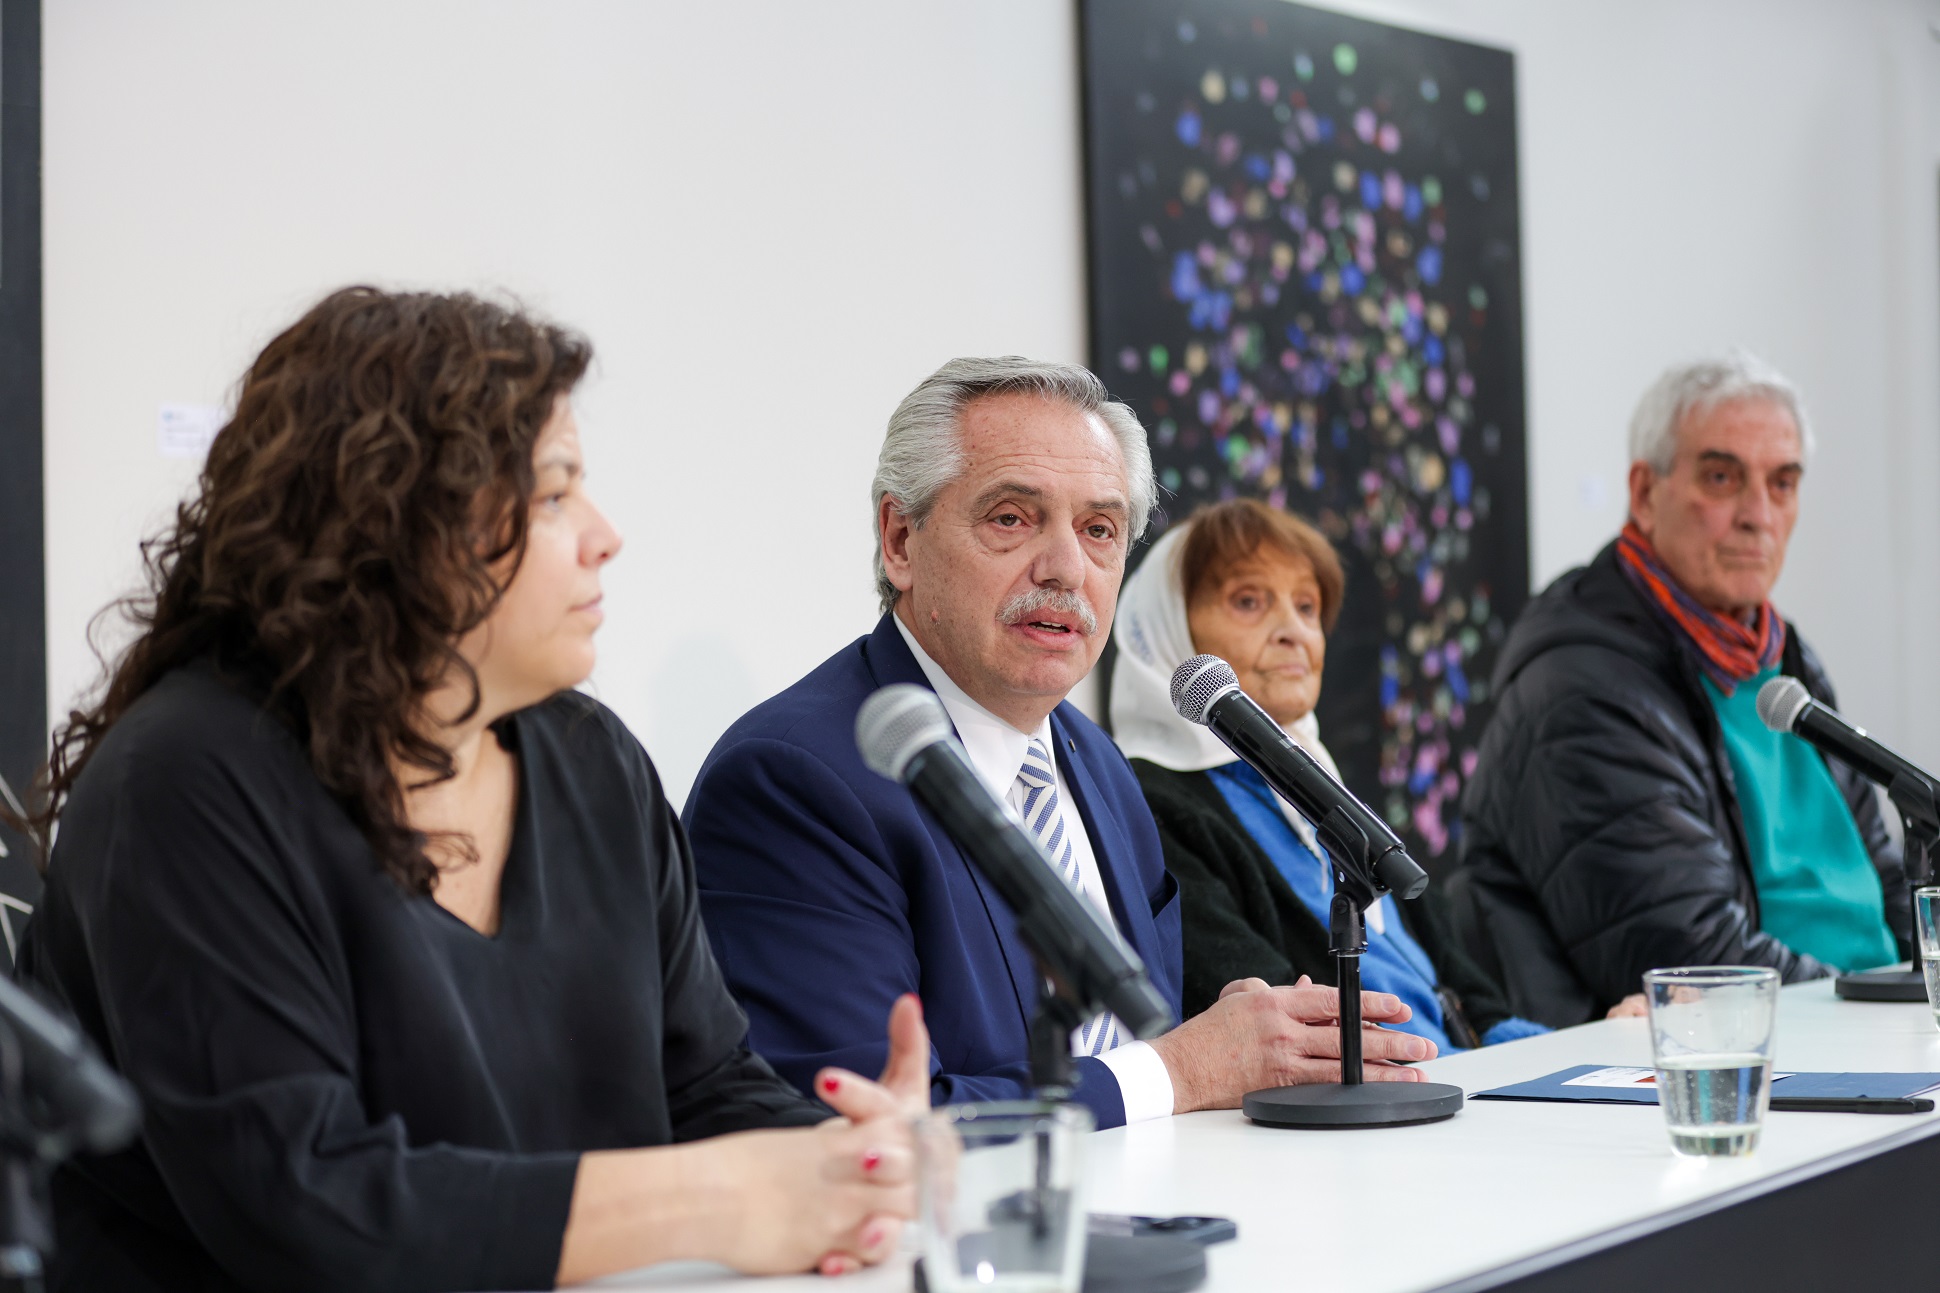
(1567, 1086)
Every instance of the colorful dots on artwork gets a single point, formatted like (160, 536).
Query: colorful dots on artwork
(1307, 319)
(1429, 266)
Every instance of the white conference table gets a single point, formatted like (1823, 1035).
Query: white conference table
(1501, 1183)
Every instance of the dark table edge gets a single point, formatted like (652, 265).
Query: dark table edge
(1550, 1259)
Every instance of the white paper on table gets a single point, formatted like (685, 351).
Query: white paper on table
(1628, 1077)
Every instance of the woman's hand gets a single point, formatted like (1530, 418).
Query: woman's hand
(831, 1197)
(1631, 1007)
(906, 1080)
(840, 1204)
(907, 1075)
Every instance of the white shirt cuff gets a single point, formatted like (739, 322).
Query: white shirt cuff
(1143, 1082)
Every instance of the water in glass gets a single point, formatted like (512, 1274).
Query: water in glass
(1714, 1104)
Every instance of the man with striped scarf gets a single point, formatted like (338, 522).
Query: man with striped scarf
(1629, 810)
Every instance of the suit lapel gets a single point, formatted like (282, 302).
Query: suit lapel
(889, 661)
(1109, 843)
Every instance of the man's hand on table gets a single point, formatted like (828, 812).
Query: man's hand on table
(1257, 1036)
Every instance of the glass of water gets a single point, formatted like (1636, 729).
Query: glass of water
(1926, 903)
(1002, 1210)
(1711, 1036)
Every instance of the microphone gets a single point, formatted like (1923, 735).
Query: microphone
(904, 734)
(1786, 706)
(1368, 860)
(1206, 691)
(77, 1101)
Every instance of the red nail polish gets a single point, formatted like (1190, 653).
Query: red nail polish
(831, 1085)
(871, 1160)
(871, 1237)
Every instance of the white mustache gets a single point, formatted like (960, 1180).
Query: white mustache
(1024, 605)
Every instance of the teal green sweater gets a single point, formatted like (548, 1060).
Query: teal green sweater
(1817, 889)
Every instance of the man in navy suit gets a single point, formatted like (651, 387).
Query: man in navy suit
(1007, 496)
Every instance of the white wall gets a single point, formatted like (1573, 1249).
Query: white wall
(1699, 174)
(774, 218)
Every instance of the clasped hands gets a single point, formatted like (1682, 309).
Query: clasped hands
(834, 1197)
(837, 1194)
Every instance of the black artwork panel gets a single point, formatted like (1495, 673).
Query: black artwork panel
(1305, 277)
(23, 624)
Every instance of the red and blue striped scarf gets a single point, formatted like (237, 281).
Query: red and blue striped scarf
(1727, 651)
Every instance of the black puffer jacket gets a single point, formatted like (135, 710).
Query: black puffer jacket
(1601, 832)
(1243, 920)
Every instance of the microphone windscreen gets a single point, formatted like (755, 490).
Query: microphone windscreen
(1781, 701)
(1199, 682)
(896, 724)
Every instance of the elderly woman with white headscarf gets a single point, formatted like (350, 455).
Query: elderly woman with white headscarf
(1262, 589)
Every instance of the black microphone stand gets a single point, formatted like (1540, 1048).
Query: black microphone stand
(57, 1098)
(26, 1158)
(1058, 1016)
(1044, 1208)
(1353, 1101)
(1053, 1074)
(1114, 1263)
(1918, 802)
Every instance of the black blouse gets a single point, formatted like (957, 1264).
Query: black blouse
(344, 1086)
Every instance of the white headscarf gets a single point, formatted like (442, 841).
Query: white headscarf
(1154, 638)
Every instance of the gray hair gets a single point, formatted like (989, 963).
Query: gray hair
(922, 452)
(1696, 387)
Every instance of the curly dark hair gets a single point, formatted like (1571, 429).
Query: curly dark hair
(356, 516)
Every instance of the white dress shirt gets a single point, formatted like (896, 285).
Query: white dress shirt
(996, 751)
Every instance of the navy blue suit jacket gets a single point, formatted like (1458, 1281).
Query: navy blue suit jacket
(828, 892)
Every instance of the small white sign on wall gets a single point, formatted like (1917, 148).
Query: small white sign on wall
(185, 430)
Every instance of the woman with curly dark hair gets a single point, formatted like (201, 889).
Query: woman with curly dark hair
(393, 931)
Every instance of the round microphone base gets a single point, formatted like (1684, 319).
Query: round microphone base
(1370, 1104)
(1882, 985)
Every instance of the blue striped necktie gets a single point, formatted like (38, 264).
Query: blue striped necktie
(1035, 797)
